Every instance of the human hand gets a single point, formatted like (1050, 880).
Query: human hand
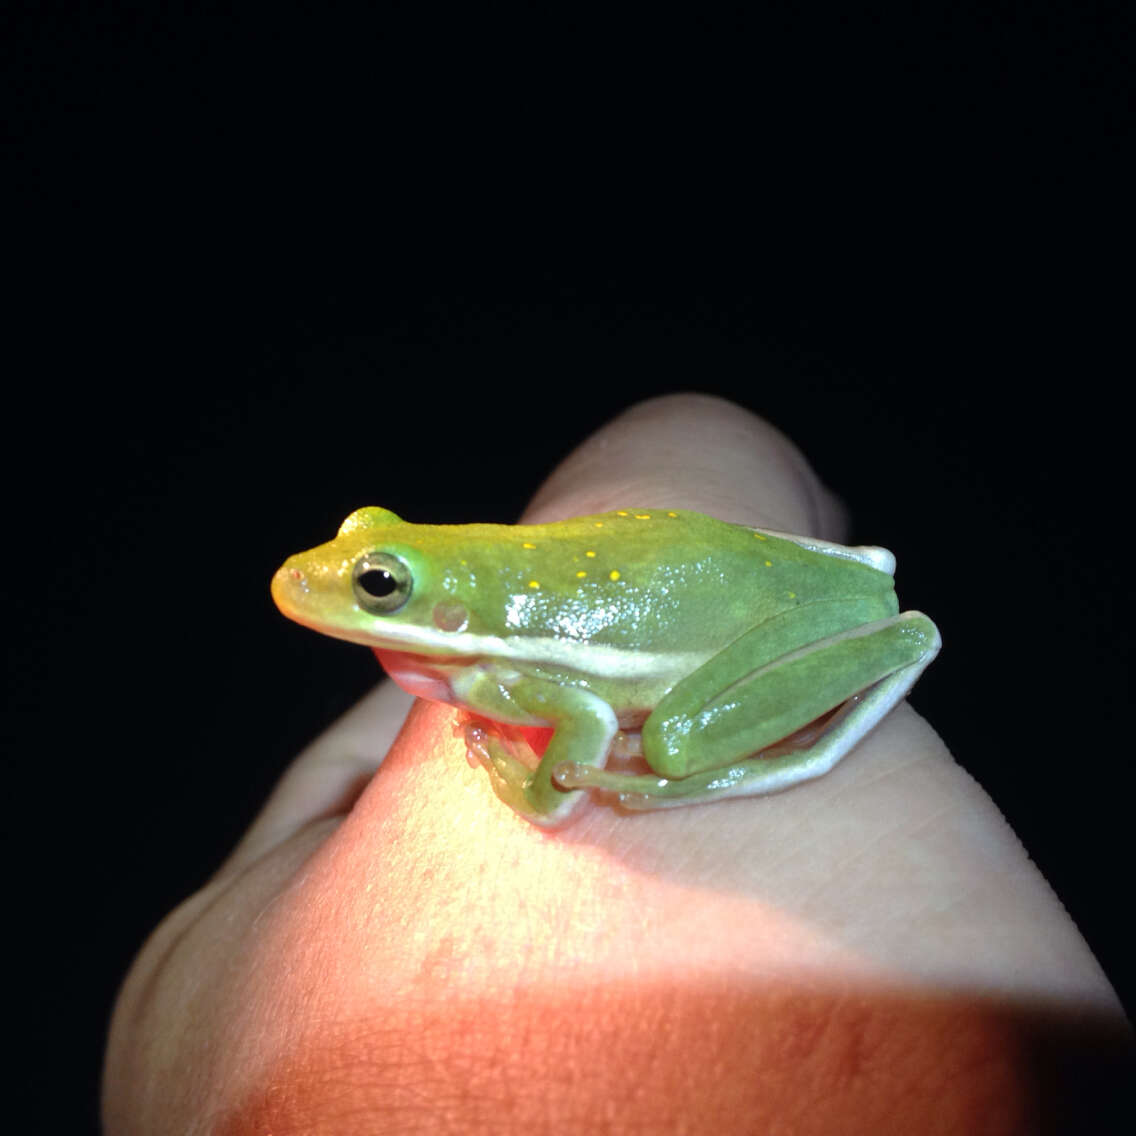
(872, 950)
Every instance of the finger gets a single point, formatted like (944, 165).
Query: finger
(697, 452)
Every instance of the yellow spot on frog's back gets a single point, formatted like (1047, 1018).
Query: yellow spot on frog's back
(621, 513)
(792, 595)
(769, 564)
(590, 552)
(599, 524)
(759, 536)
(528, 544)
(613, 575)
(534, 583)
(642, 516)
(671, 514)
(580, 575)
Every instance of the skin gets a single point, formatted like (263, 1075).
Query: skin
(870, 951)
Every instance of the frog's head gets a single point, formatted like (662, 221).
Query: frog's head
(381, 582)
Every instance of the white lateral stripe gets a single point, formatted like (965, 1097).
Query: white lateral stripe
(625, 662)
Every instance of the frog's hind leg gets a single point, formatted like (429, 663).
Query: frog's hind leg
(756, 776)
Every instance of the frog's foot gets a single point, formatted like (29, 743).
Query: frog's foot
(641, 792)
(577, 775)
(520, 787)
(487, 748)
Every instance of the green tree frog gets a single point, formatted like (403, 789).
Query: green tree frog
(715, 641)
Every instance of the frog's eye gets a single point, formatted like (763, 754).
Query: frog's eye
(382, 582)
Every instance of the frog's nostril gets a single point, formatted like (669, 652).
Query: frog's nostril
(288, 585)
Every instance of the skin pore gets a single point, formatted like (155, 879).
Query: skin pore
(872, 951)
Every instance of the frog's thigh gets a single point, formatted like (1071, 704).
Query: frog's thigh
(887, 656)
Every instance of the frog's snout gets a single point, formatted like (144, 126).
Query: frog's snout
(289, 587)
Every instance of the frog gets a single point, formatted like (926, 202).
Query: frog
(731, 661)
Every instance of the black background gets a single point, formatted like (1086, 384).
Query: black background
(266, 272)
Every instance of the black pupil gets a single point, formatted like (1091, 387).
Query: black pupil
(377, 582)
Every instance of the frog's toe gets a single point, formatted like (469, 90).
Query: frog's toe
(492, 754)
(579, 775)
(637, 802)
(476, 747)
(575, 775)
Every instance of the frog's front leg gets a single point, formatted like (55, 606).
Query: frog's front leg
(697, 735)
(584, 727)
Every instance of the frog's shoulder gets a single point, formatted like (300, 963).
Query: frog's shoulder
(879, 558)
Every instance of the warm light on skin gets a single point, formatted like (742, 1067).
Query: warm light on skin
(438, 959)
(401, 861)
